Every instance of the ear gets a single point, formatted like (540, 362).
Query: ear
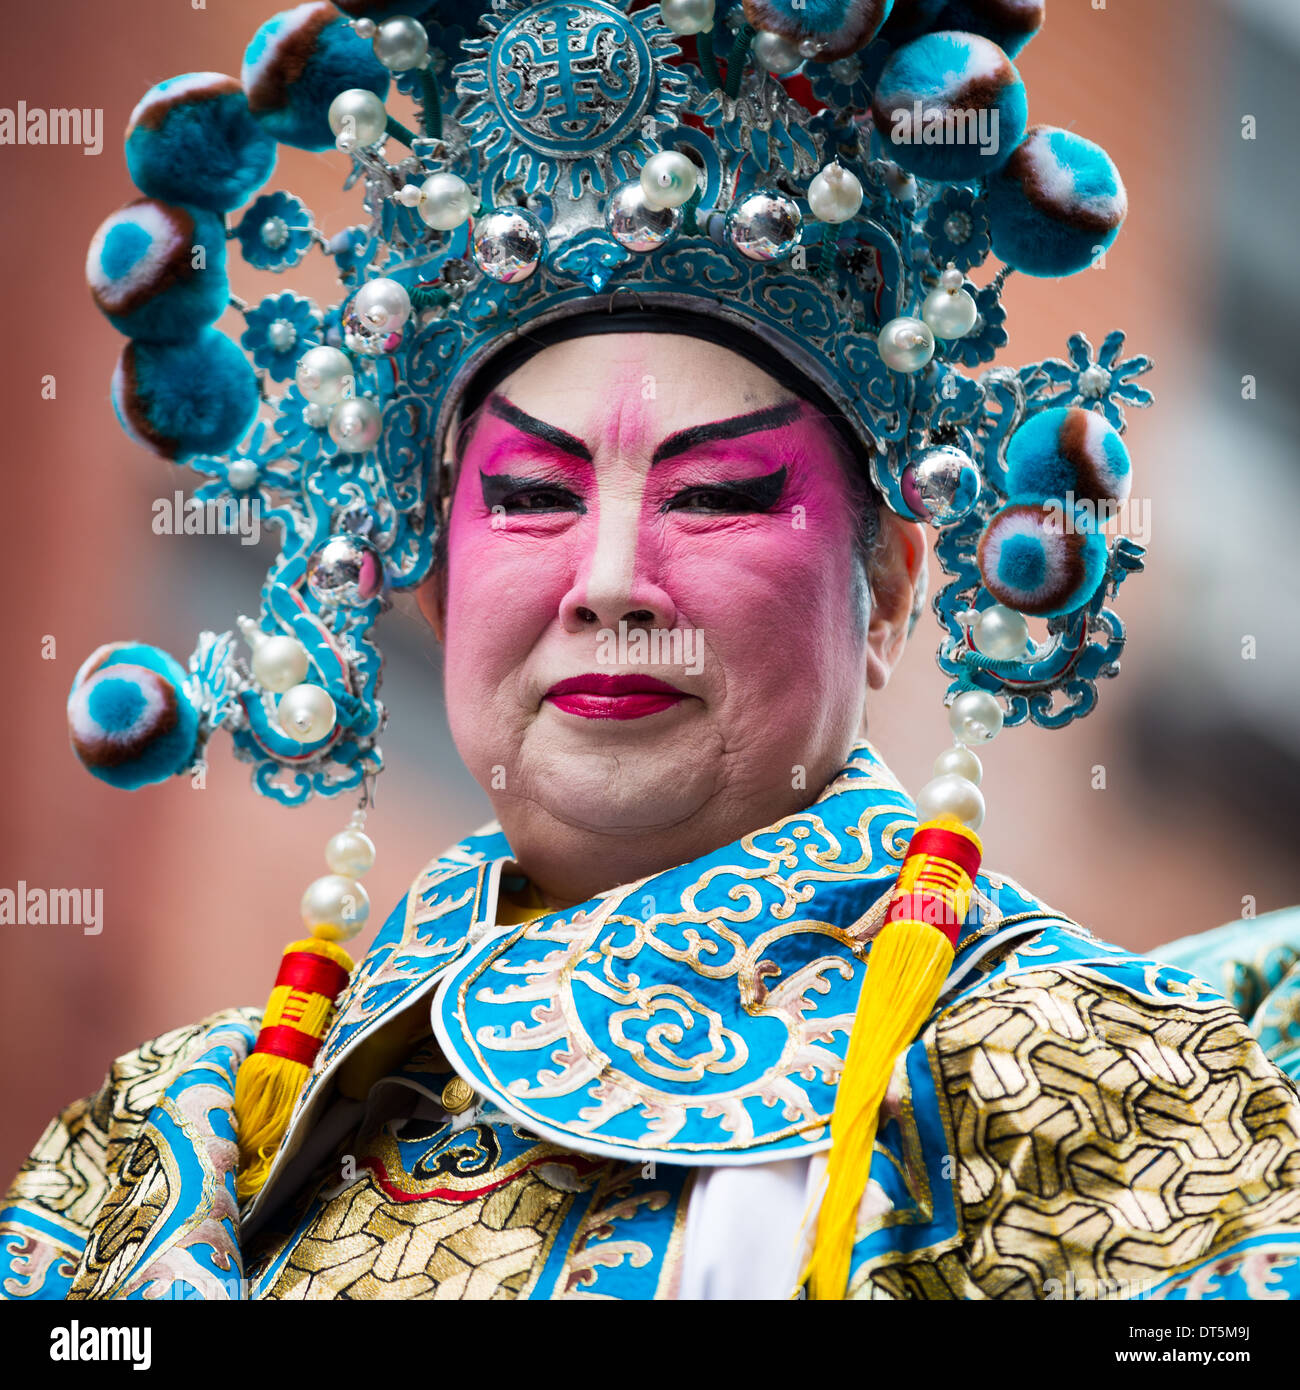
(431, 598)
(898, 577)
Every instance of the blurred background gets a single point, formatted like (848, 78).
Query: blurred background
(1196, 822)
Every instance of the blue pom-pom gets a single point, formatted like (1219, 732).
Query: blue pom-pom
(147, 275)
(1009, 23)
(1042, 559)
(1069, 453)
(840, 26)
(297, 63)
(192, 139)
(185, 398)
(1056, 205)
(129, 718)
(950, 106)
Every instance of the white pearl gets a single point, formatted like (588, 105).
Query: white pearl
(316, 416)
(446, 201)
(1002, 633)
(687, 16)
(365, 28)
(952, 279)
(401, 43)
(905, 344)
(951, 796)
(306, 713)
(242, 473)
(975, 716)
(282, 335)
(350, 853)
(776, 54)
(959, 762)
(949, 315)
(357, 116)
(835, 195)
(409, 195)
(668, 179)
(324, 375)
(335, 907)
(383, 304)
(355, 425)
(280, 663)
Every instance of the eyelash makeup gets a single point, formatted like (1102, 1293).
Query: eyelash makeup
(511, 493)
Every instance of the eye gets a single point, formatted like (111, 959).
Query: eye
(541, 499)
(745, 495)
(501, 492)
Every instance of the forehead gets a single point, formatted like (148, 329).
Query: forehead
(606, 387)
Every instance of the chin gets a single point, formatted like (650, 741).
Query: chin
(620, 777)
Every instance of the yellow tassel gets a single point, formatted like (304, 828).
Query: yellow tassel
(297, 1017)
(909, 961)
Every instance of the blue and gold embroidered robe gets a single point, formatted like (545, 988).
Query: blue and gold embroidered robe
(1073, 1121)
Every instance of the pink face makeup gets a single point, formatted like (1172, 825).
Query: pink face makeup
(717, 515)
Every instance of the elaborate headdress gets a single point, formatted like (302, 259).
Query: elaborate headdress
(822, 181)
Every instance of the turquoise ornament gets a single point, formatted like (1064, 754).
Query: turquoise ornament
(180, 399)
(950, 107)
(192, 139)
(1056, 205)
(131, 721)
(297, 63)
(1069, 453)
(157, 270)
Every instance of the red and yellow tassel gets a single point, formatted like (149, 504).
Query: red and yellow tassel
(298, 1013)
(909, 961)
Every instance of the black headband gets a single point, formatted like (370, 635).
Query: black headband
(723, 332)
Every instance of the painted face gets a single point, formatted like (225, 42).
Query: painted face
(649, 616)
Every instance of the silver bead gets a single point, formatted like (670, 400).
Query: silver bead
(975, 717)
(345, 570)
(350, 853)
(776, 54)
(324, 375)
(687, 16)
(669, 179)
(357, 117)
(951, 796)
(1002, 633)
(765, 226)
(355, 425)
(634, 224)
(317, 417)
(446, 201)
(835, 194)
(401, 43)
(810, 48)
(280, 663)
(508, 244)
(335, 907)
(959, 761)
(941, 486)
(906, 344)
(306, 713)
(242, 474)
(949, 314)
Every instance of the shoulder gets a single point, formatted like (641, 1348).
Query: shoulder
(52, 1203)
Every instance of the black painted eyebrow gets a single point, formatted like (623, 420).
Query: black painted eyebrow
(552, 434)
(771, 418)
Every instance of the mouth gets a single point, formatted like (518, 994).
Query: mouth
(608, 696)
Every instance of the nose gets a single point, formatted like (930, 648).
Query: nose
(615, 577)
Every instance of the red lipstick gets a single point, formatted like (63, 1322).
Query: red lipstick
(608, 696)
